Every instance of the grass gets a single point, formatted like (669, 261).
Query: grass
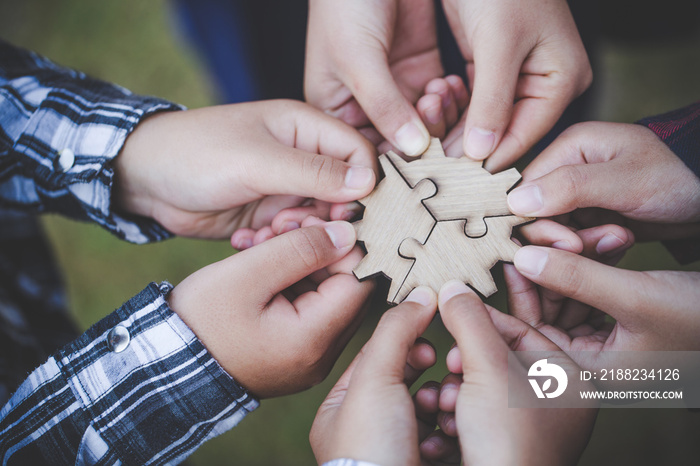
(132, 43)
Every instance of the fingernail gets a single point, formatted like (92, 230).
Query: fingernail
(451, 289)
(530, 260)
(563, 245)
(342, 234)
(358, 177)
(411, 139)
(609, 243)
(289, 226)
(479, 143)
(448, 394)
(434, 114)
(421, 295)
(526, 200)
(245, 243)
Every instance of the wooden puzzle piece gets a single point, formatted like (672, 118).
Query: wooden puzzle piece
(393, 212)
(449, 254)
(465, 190)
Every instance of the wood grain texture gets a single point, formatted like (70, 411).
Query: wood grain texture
(449, 254)
(393, 212)
(436, 219)
(465, 189)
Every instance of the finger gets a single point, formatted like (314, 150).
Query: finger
(426, 404)
(440, 448)
(390, 112)
(447, 423)
(449, 390)
(346, 212)
(491, 104)
(467, 319)
(292, 218)
(523, 298)
(453, 360)
(242, 238)
(545, 232)
(459, 92)
(286, 259)
(619, 292)
(430, 109)
(262, 235)
(421, 357)
(315, 176)
(605, 242)
(395, 335)
(442, 88)
(531, 119)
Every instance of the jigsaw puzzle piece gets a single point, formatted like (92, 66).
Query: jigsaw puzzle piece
(449, 254)
(393, 211)
(465, 189)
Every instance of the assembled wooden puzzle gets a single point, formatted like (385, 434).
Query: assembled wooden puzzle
(436, 219)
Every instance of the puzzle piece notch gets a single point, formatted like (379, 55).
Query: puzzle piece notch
(449, 254)
(465, 189)
(393, 212)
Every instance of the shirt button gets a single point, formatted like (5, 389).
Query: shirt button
(118, 339)
(66, 159)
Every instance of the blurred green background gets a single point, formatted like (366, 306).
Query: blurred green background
(134, 44)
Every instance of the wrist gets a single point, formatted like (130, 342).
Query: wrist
(133, 177)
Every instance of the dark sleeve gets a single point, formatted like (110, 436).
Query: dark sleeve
(680, 130)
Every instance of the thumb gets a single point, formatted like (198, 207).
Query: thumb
(385, 105)
(305, 174)
(386, 353)
(620, 293)
(465, 316)
(491, 106)
(278, 263)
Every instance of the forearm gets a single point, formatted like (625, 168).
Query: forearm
(153, 395)
(59, 133)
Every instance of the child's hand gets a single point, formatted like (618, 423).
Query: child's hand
(369, 414)
(612, 173)
(482, 418)
(208, 172)
(277, 316)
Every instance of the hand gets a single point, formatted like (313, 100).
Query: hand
(654, 311)
(369, 414)
(523, 51)
(277, 315)
(489, 431)
(623, 171)
(369, 61)
(208, 172)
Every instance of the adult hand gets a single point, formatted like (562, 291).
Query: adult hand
(208, 172)
(489, 431)
(654, 311)
(369, 414)
(369, 61)
(525, 63)
(612, 173)
(277, 315)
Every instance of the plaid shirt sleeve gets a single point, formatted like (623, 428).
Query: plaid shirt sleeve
(680, 130)
(59, 131)
(137, 388)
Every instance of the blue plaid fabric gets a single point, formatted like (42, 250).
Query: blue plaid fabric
(46, 110)
(154, 402)
(70, 398)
